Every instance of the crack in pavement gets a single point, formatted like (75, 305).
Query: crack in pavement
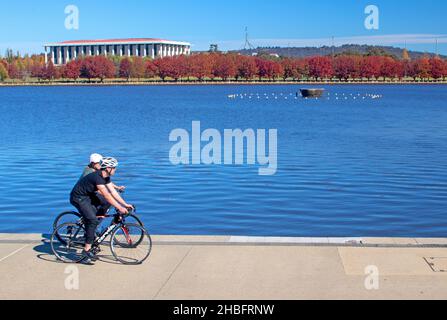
(172, 273)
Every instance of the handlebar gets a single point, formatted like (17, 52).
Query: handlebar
(129, 211)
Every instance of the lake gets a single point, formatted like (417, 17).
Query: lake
(362, 161)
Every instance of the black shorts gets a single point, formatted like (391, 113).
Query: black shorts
(87, 207)
(88, 210)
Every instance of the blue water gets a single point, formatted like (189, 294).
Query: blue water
(364, 167)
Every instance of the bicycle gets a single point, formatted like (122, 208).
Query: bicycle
(127, 240)
(75, 217)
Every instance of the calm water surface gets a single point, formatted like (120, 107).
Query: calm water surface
(373, 167)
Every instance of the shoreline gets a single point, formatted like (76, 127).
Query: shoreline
(166, 240)
(211, 83)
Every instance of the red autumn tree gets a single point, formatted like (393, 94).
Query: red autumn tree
(200, 66)
(49, 72)
(150, 70)
(97, 67)
(172, 67)
(291, 68)
(72, 70)
(246, 67)
(181, 67)
(371, 67)
(37, 70)
(302, 67)
(224, 66)
(125, 68)
(164, 67)
(269, 69)
(320, 67)
(346, 67)
(391, 68)
(438, 68)
(13, 70)
(421, 68)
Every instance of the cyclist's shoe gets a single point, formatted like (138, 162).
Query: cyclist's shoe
(87, 261)
(89, 256)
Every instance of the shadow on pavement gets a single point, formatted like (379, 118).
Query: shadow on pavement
(45, 252)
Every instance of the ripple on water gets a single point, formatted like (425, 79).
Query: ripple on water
(345, 168)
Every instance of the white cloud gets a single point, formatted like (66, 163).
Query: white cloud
(386, 40)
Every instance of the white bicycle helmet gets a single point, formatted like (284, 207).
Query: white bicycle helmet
(95, 158)
(108, 162)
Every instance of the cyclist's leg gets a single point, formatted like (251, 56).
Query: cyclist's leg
(103, 204)
(88, 212)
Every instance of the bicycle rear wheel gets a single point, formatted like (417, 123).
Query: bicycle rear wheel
(131, 244)
(66, 217)
(67, 242)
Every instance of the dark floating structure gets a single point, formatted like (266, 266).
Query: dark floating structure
(312, 93)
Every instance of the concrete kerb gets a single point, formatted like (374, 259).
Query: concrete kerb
(164, 240)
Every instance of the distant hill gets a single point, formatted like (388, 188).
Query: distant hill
(302, 52)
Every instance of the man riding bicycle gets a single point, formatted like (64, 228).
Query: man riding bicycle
(84, 197)
(93, 166)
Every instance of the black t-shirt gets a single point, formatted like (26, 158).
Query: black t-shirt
(87, 186)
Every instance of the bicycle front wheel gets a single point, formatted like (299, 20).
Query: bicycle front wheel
(131, 244)
(130, 220)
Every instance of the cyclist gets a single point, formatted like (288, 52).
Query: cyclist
(84, 198)
(94, 165)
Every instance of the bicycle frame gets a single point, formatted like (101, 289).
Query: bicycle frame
(105, 234)
(113, 226)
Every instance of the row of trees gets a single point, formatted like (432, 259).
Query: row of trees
(17, 67)
(228, 66)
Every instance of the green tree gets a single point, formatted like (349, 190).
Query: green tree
(3, 72)
(137, 68)
(9, 55)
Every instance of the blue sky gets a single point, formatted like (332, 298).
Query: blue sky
(26, 25)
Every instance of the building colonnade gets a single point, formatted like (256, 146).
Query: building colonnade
(64, 53)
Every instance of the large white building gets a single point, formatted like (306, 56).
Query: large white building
(62, 52)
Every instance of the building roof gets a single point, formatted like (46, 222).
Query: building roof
(117, 41)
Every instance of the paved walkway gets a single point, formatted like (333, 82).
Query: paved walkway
(234, 268)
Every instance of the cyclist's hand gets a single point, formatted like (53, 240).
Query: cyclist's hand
(121, 188)
(129, 207)
(122, 210)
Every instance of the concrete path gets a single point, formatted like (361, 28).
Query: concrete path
(234, 268)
